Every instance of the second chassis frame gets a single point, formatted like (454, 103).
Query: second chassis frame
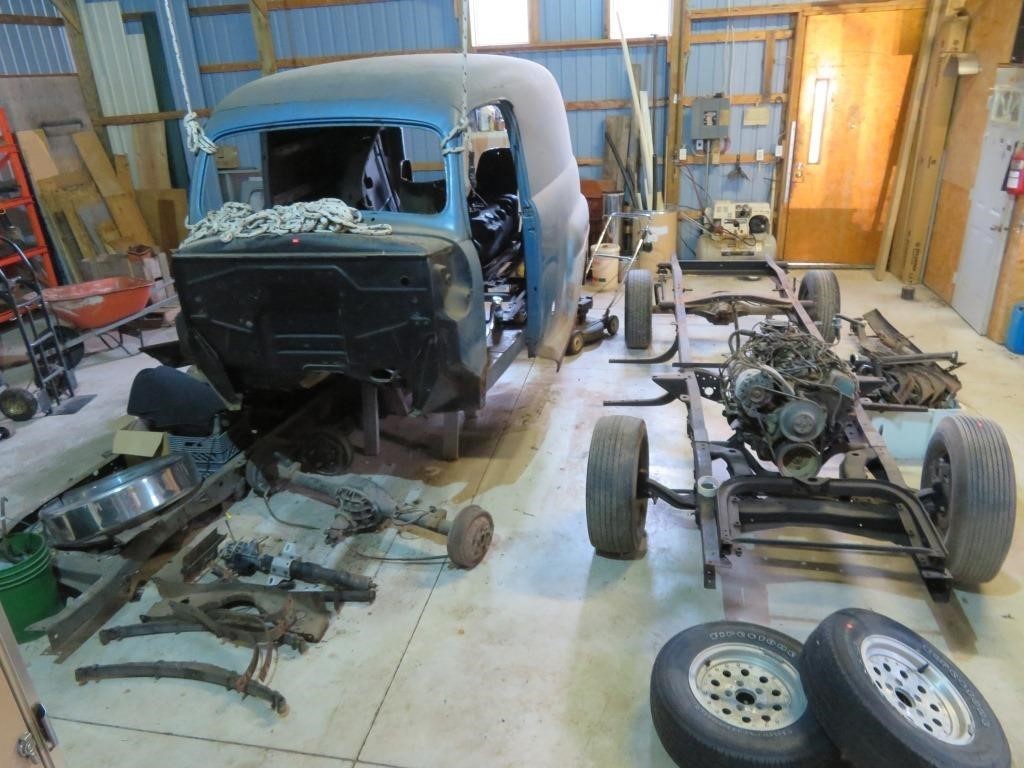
(870, 501)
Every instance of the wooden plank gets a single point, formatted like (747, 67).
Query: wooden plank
(36, 154)
(164, 211)
(128, 218)
(149, 148)
(259, 11)
(914, 224)
(83, 64)
(906, 145)
(617, 127)
(95, 159)
(124, 172)
(533, 18)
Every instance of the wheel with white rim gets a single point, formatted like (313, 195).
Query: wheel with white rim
(729, 694)
(890, 699)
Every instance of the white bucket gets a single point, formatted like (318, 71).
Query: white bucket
(604, 270)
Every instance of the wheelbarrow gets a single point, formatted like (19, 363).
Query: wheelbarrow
(96, 306)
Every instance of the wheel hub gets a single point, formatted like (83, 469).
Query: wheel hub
(747, 687)
(917, 689)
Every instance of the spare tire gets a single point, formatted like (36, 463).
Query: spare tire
(890, 699)
(728, 695)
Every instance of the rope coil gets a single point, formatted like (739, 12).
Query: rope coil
(234, 220)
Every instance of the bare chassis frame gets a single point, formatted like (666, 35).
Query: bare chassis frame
(871, 501)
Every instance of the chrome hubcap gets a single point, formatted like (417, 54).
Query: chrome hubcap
(747, 687)
(917, 690)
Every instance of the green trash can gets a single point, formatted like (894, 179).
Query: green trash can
(28, 587)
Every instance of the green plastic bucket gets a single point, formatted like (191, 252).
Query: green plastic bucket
(28, 588)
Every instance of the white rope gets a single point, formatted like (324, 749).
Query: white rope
(463, 123)
(240, 220)
(195, 138)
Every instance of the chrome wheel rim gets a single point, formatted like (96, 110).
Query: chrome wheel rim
(747, 687)
(917, 689)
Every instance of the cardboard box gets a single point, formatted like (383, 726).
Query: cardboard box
(133, 440)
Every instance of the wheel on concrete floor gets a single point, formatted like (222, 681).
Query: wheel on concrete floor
(18, 404)
(639, 308)
(470, 536)
(972, 495)
(822, 287)
(575, 345)
(889, 699)
(611, 325)
(616, 477)
(729, 694)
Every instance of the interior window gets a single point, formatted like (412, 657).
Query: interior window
(499, 23)
(371, 167)
(640, 18)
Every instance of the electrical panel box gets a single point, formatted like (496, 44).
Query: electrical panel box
(709, 118)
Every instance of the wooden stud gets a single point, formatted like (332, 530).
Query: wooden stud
(31, 20)
(273, 5)
(670, 179)
(259, 11)
(80, 52)
(794, 84)
(533, 17)
(150, 117)
(808, 9)
(768, 72)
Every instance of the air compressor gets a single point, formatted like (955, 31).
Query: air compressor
(738, 231)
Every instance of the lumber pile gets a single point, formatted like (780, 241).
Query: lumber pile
(100, 222)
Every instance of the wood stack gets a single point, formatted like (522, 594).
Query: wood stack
(95, 213)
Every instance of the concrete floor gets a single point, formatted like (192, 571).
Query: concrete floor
(541, 656)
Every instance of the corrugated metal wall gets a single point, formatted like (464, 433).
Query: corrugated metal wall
(595, 74)
(27, 49)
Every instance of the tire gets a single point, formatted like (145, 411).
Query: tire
(575, 343)
(616, 471)
(822, 287)
(611, 325)
(698, 729)
(861, 674)
(18, 404)
(969, 468)
(470, 536)
(639, 308)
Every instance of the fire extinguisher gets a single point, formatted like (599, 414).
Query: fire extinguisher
(1015, 173)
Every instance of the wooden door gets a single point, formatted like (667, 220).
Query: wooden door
(853, 85)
